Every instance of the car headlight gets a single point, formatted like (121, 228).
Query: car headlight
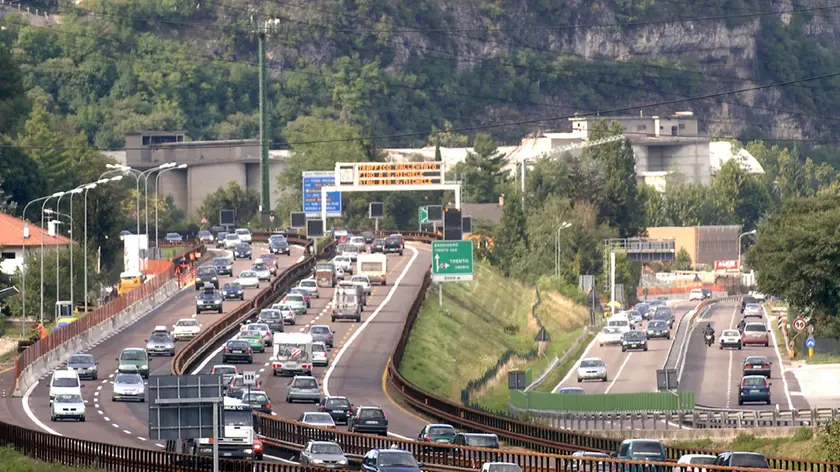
(214, 278)
(317, 461)
(249, 451)
(343, 462)
(144, 366)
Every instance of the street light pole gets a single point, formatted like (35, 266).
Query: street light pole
(137, 176)
(562, 226)
(87, 188)
(157, 195)
(57, 259)
(147, 173)
(739, 247)
(25, 270)
(43, 207)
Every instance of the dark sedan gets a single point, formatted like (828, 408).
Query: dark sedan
(237, 350)
(393, 245)
(369, 237)
(84, 365)
(232, 290)
(754, 388)
(242, 251)
(634, 340)
(437, 433)
(338, 407)
(378, 245)
(223, 266)
(280, 246)
(258, 400)
(757, 365)
(206, 275)
(658, 329)
(273, 318)
(209, 299)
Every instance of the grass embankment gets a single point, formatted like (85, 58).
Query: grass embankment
(801, 353)
(479, 321)
(174, 251)
(13, 461)
(802, 445)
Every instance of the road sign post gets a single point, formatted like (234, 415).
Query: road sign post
(452, 261)
(810, 343)
(799, 324)
(423, 216)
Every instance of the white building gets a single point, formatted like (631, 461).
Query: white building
(13, 244)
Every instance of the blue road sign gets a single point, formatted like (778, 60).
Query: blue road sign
(810, 343)
(312, 183)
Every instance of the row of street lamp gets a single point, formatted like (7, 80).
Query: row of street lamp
(84, 188)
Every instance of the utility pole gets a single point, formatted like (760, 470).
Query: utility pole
(265, 188)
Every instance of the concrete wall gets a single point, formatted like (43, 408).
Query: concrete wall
(49, 362)
(690, 160)
(717, 243)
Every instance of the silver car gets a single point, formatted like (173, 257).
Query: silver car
(160, 344)
(286, 312)
(303, 388)
(262, 270)
(592, 368)
(343, 262)
(67, 406)
(129, 387)
(296, 302)
(362, 281)
(325, 454)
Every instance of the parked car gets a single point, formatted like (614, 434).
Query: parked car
(173, 238)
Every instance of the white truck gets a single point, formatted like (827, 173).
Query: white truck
(292, 354)
(346, 304)
(375, 266)
(239, 438)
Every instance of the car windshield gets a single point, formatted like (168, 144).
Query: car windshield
(305, 383)
(752, 306)
(238, 417)
(392, 241)
(618, 323)
(318, 418)
(206, 270)
(260, 266)
(243, 247)
(482, 440)
(232, 237)
(279, 243)
(647, 448)
(657, 324)
(223, 370)
(442, 432)
(371, 414)
(129, 379)
(204, 232)
(221, 261)
(250, 334)
(318, 348)
(133, 355)
(634, 335)
(159, 338)
(207, 294)
(754, 381)
(757, 360)
(703, 460)
(186, 323)
(243, 231)
(232, 285)
(731, 332)
(319, 330)
(359, 279)
(255, 397)
(610, 330)
(755, 327)
(591, 363)
(81, 359)
(661, 315)
(504, 468)
(66, 382)
(68, 398)
(237, 344)
(247, 273)
(294, 298)
(749, 460)
(308, 283)
(337, 403)
(396, 459)
(331, 449)
(269, 314)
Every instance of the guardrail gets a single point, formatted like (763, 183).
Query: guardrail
(698, 419)
(605, 402)
(41, 347)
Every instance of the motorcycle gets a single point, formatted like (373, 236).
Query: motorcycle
(710, 339)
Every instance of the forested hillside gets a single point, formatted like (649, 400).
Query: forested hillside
(402, 68)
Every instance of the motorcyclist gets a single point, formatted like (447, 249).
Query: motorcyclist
(709, 331)
(742, 324)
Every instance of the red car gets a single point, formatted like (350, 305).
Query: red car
(270, 261)
(755, 333)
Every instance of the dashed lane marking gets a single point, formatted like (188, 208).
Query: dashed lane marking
(126, 431)
(141, 438)
(160, 445)
(107, 419)
(115, 425)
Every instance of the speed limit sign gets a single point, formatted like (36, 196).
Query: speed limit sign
(799, 324)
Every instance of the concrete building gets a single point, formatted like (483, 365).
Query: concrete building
(705, 244)
(13, 244)
(210, 165)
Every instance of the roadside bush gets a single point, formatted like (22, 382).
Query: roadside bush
(829, 439)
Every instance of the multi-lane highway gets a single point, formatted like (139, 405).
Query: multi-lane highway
(631, 371)
(714, 374)
(356, 369)
(123, 422)
(358, 361)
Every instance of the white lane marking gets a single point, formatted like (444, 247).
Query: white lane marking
(107, 419)
(110, 376)
(267, 363)
(273, 413)
(100, 412)
(96, 394)
(280, 459)
(262, 370)
(300, 259)
(105, 381)
(160, 445)
(572, 369)
(618, 374)
(731, 359)
(370, 318)
(141, 438)
(399, 436)
(126, 431)
(115, 425)
(31, 416)
(781, 364)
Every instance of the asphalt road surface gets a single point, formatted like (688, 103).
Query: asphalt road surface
(714, 374)
(125, 423)
(631, 371)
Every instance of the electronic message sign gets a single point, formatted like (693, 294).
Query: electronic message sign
(390, 173)
(312, 183)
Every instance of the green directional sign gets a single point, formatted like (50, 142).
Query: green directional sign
(423, 215)
(452, 261)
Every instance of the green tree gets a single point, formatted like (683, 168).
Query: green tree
(682, 260)
(511, 238)
(438, 156)
(695, 205)
(33, 280)
(742, 195)
(795, 254)
(446, 137)
(12, 97)
(620, 206)
(244, 202)
(22, 179)
(482, 170)
(7, 206)
(653, 206)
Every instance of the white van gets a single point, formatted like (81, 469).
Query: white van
(292, 354)
(65, 381)
(244, 235)
(375, 266)
(622, 324)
